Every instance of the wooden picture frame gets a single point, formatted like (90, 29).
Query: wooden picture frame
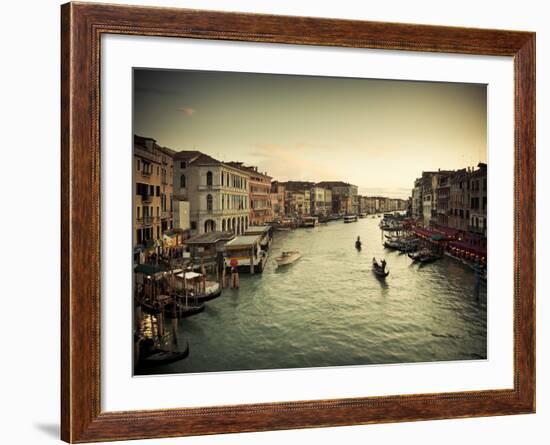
(82, 26)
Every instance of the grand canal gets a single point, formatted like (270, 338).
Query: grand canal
(328, 309)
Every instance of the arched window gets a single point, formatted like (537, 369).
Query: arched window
(183, 181)
(209, 178)
(209, 203)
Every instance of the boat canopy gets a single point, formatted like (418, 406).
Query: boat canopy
(149, 269)
(209, 238)
(257, 230)
(189, 275)
(243, 241)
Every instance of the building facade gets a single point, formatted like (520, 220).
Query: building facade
(417, 201)
(153, 192)
(278, 199)
(443, 195)
(321, 201)
(298, 202)
(459, 200)
(344, 196)
(478, 200)
(217, 193)
(260, 211)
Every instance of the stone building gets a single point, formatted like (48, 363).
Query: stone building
(260, 211)
(152, 193)
(459, 200)
(417, 201)
(277, 194)
(217, 193)
(344, 196)
(478, 200)
(443, 195)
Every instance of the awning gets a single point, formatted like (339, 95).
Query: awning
(189, 275)
(149, 269)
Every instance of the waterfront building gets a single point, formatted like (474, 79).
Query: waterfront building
(217, 193)
(278, 199)
(259, 194)
(417, 203)
(459, 197)
(428, 199)
(320, 197)
(478, 200)
(328, 201)
(443, 195)
(344, 196)
(152, 194)
(429, 183)
(369, 204)
(297, 202)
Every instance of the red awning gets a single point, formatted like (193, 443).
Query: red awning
(463, 247)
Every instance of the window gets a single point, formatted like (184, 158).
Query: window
(158, 190)
(193, 225)
(183, 164)
(138, 165)
(183, 182)
(138, 213)
(209, 178)
(209, 203)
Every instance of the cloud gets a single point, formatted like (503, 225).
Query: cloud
(188, 111)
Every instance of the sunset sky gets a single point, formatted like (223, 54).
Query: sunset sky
(377, 134)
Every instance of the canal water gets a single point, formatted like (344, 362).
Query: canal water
(329, 309)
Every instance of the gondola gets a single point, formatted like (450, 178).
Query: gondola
(183, 310)
(159, 357)
(379, 269)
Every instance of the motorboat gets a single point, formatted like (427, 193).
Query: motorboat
(350, 218)
(288, 257)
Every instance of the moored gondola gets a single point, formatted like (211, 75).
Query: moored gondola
(159, 357)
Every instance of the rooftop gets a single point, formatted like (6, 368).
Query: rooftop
(248, 169)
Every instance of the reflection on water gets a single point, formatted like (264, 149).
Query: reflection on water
(329, 309)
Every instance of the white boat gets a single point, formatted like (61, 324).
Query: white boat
(310, 221)
(288, 257)
(350, 218)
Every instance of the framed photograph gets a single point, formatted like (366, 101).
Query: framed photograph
(275, 222)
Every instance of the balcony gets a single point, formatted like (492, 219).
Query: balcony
(146, 221)
(165, 215)
(147, 198)
(209, 188)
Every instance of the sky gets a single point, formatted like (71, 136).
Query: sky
(377, 134)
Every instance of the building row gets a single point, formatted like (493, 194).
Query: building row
(456, 199)
(179, 194)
